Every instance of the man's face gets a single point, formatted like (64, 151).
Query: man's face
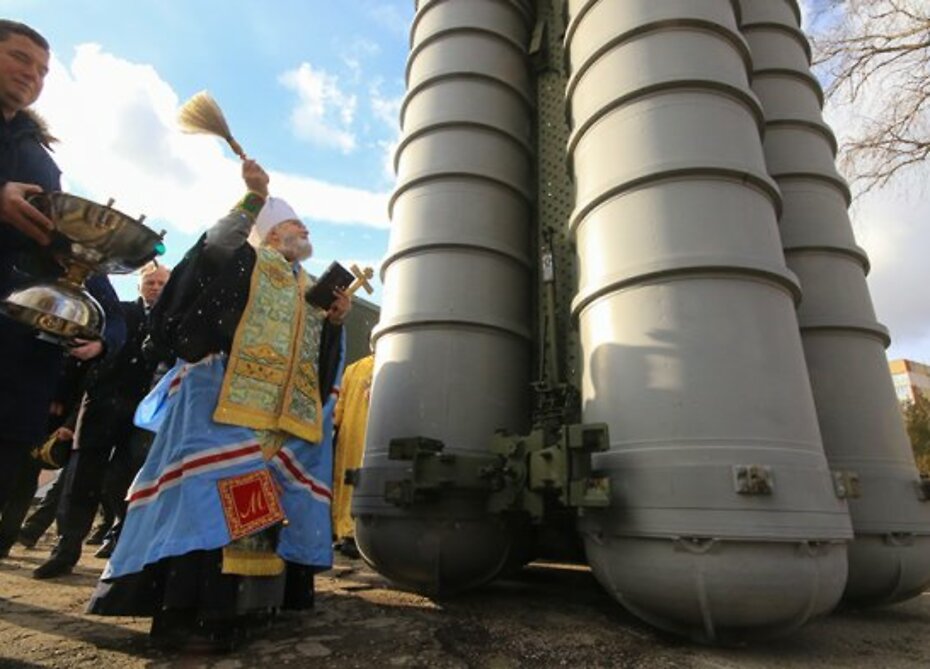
(151, 285)
(23, 66)
(292, 239)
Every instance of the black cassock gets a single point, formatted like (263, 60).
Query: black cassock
(197, 315)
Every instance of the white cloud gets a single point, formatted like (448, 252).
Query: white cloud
(388, 150)
(387, 110)
(890, 224)
(116, 120)
(329, 202)
(324, 113)
(359, 50)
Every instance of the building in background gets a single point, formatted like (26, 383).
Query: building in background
(359, 323)
(910, 378)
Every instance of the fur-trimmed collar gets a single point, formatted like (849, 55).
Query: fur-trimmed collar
(44, 135)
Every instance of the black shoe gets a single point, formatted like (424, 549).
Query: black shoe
(106, 549)
(349, 549)
(27, 540)
(5, 550)
(53, 568)
(97, 536)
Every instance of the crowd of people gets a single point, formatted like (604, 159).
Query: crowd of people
(202, 421)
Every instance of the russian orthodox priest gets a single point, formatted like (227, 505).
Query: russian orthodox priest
(229, 517)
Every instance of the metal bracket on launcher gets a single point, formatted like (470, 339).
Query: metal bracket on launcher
(753, 480)
(846, 484)
(431, 471)
(518, 473)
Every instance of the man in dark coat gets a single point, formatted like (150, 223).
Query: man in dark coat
(29, 367)
(104, 426)
(61, 421)
(148, 368)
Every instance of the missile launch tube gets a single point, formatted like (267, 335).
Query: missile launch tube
(863, 433)
(452, 348)
(724, 521)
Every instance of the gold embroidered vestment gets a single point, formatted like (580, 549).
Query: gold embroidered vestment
(271, 380)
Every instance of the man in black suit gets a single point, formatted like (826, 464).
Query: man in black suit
(104, 424)
(128, 458)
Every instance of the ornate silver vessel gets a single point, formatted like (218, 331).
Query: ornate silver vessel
(88, 238)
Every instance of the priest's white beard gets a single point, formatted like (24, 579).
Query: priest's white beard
(295, 248)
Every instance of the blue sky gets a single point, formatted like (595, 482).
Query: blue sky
(310, 88)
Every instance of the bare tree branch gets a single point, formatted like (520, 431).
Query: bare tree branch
(874, 56)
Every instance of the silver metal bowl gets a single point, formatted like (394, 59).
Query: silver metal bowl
(103, 239)
(59, 313)
(88, 238)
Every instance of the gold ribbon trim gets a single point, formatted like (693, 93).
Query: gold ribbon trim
(251, 563)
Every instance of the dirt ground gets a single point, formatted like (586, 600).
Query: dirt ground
(548, 616)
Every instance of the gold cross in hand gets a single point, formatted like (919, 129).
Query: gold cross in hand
(361, 280)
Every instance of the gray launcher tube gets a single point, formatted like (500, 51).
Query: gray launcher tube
(452, 348)
(863, 432)
(724, 522)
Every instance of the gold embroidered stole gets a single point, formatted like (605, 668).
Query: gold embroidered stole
(271, 378)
